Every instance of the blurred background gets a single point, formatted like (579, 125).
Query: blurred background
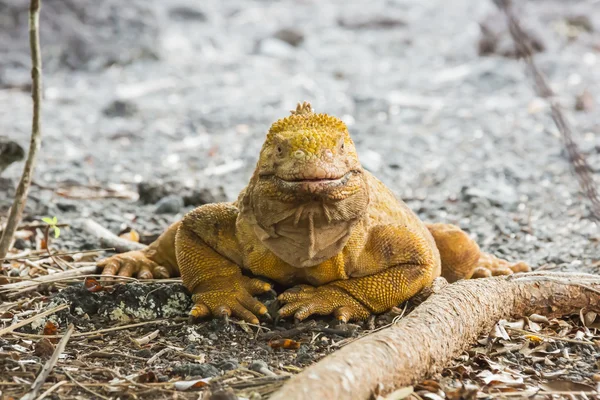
(154, 107)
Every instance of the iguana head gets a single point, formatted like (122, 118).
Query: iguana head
(309, 189)
(310, 155)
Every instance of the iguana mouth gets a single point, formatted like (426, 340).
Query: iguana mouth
(326, 180)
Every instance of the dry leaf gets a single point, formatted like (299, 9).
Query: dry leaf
(194, 384)
(147, 377)
(430, 386)
(488, 377)
(562, 385)
(92, 285)
(519, 324)
(50, 328)
(588, 318)
(499, 332)
(287, 344)
(538, 318)
(43, 348)
(533, 326)
(131, 236)
(400, 394)
(534, 339)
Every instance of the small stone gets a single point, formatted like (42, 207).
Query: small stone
(120, 108)
(377, 22)
(202, 196)
(169, 205)
(186, 13)
(191, 369)
(262, 367)
(144, 353)
(10, 152)
(66, 207)
(584, 101)
(596, 377)
(228, 365)
(152, 192)
(22, 244)
(276, 48)
(290, 36)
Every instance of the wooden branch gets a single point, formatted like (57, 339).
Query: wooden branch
(106, 237)
(16, 210)
(438, 330)
(37, 385)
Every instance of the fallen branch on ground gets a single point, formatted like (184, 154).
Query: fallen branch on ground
(438, 330)
(107, 238)
(16, 211)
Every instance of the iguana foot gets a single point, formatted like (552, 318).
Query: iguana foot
(490, 265)
(133, 264)
(303, 301)
(230, 296)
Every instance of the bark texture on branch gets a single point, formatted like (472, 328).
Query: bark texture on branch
(437, 331)
(16, 210)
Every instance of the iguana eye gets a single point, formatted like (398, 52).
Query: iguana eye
(279, 150)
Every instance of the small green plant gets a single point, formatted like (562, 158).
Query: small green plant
(52, 224)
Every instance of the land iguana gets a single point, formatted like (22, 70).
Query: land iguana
(314, 221)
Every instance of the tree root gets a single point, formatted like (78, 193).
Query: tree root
(438, 330)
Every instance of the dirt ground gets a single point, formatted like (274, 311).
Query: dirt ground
(152, 108)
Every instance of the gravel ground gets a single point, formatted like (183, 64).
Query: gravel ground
(143, 122)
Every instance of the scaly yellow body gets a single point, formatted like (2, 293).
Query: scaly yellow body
(313, 220)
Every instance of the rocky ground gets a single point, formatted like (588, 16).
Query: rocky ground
(156, 107)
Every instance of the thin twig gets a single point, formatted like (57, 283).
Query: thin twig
(32, 284)
(94, 333)
(66, 253)
(34, 318)
(16, 211)
(90, 391)
(561, 339)
(580, 165)
(37, 385)
(51, 389)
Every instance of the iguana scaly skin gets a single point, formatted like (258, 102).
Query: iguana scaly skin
(313, 220)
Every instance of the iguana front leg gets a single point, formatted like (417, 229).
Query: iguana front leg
(208, 255)
(155, 261)
(398, 262)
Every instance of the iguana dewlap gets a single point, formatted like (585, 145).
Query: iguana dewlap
(313, 220)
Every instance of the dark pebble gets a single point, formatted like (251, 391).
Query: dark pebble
(184, 13)
(191, 369)
(290, 36)
(22, 244)
(120, 108)
(228, 365)
(169, 205)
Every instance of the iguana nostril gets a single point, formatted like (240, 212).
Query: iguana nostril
(328, 154)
